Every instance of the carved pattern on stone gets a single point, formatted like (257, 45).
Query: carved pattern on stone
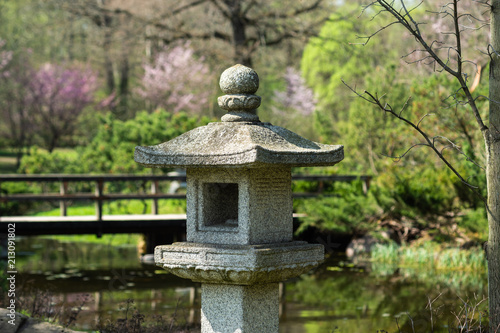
(239, 276)
(239, 264)
(239, 102)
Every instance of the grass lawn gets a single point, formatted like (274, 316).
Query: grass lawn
(7, 161)
(106, 239)
(166, 206)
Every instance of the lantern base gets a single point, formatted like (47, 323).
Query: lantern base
(239, 264)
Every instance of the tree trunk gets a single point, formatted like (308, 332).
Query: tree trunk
(492, 138)
(108, 64)
(241, 54)
(123, 90)
(493, 179)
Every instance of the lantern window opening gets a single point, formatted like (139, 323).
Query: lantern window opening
(220, 205)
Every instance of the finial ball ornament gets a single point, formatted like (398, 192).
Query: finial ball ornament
(239, 79)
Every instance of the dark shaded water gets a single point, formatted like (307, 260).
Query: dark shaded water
(336, 297)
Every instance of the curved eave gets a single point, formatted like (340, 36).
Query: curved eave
(256, 156)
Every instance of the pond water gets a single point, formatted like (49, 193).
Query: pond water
(339, 296)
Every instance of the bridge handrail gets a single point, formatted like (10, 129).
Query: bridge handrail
(155, 194)
(87, 177)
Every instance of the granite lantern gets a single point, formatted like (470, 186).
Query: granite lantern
(239, 209)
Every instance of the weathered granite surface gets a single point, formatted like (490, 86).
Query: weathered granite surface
(250, 144)
(239, 206)
(239, 79)
(25, 324)
(239, 309)
(239, 264)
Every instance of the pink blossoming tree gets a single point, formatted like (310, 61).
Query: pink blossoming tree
(297, 97)
(57, 95)
(5, 58)
(15, 129)
(177, 81)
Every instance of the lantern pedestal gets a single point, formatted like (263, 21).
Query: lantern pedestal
(239, 309)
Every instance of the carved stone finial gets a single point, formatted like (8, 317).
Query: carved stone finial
(239, 83)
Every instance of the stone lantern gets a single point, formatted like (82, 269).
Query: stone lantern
(239, 209)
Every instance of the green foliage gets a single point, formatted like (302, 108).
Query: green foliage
(122, 207)
(106, 239)
(112, 148)
(4, 283)
(40, 161)
(475, 221)
(421, 194)
(419, 188)
(350, 211)
(430, 255)
(14, 207)
(46, 32)
(333, 56)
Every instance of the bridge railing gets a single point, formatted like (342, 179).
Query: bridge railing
(99, 196)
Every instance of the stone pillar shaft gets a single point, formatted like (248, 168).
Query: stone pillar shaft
(229, 308)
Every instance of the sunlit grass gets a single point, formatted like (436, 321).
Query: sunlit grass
(106, 239)
(166, 206)
(170, 206)
(7, 161)
(430, 255)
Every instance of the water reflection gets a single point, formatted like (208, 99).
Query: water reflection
(337, 297)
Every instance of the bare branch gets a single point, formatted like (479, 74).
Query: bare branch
(400, 157)
(430, 141)
(428, 114)
(405, 105)
(406, 20)
(223, 10)
(296, 12)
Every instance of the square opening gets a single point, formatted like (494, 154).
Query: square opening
(220, 204)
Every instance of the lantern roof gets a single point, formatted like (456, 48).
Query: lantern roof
(241, 139)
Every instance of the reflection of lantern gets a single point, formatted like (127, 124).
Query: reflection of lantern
(239, 209)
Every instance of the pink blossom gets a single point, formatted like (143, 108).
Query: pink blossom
(58, 95)
(176, 80)
(297, 95)
(63, 89)
(5, 58)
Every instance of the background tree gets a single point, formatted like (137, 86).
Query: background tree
(111, 148)
(57, 96)
(5, 58)
(242, 26)
(16, 128)
(449, 56)
(294, 104)
(114, 43)
(176, 81)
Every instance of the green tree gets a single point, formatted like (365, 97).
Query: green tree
(448, 53)
(330, 57)
(112, 148)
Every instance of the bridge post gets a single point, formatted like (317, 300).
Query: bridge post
(366, 184)
(98, 204)
(154, 190)
(63, 189)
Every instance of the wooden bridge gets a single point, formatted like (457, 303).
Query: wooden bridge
(98, 223)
